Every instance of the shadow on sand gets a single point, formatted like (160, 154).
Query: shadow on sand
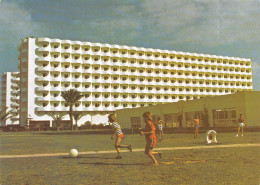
(107, 163)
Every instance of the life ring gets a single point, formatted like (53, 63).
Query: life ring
(211, 136)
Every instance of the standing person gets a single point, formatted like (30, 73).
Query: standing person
(241, 124)
(196, 122)
(160, 128)
(149, 132)
(119, 135)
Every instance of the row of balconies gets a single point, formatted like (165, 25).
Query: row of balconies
(79, 47)
(105, 86)
(138, 71)
(130, 97)
(148, 63)
(112, 89)
(89, 95)
(107, 105)
(69, 52)
(165, 82)
(66, 75)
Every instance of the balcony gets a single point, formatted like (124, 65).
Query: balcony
(42, 59)
(47, 88)
(42, 69)
(42, 79)
(43, 49)
(15, 99)
(55, 79)
(42, 99)
(43, 40)
(55, 50)
(55, 99)
(55, 88)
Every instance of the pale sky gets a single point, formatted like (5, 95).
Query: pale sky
(218, 27)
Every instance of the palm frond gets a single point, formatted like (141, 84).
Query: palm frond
(5, 115)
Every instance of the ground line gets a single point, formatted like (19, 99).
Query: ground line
(134, 150)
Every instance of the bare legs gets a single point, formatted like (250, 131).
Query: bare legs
(160, 136)
(196, 133)
(242, 131)
(118, 146)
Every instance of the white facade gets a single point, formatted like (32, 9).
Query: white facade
(115, 77)
(10, 96)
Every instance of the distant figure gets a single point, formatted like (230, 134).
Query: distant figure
(160, 128)
(241, 124)
(196, 123)
(149, 132)
(119, 135)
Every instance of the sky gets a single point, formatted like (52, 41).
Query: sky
(217, 27)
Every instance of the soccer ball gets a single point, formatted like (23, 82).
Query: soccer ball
(74, 153)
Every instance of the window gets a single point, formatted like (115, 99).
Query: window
(224, 117)
(115, 96)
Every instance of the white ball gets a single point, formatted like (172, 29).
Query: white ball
(74, 153)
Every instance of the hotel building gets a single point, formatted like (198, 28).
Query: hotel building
(115, 77)
(10, 96)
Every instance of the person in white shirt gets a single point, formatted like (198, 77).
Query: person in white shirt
(160, 128)
(241, 125)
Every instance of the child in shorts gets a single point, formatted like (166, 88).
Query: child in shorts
(241, 125)
(149, 132)
(119, 135)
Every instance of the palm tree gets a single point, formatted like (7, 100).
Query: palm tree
(4, 114)
(71, 96)
(57, 119)
(77, 116)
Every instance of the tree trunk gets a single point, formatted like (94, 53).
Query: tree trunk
(70, 114)
(77, 126)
